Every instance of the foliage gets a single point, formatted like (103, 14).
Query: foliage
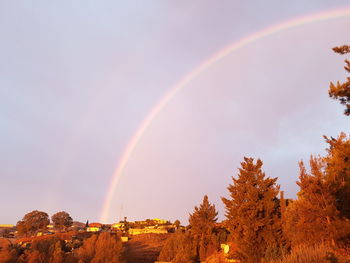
(32, 222)
(321, 212)
(202, 223)
(177, 223)
(320, 253)
(62, 220)
(200, 241)
(203, 218)
(341, 91)
(253, 212)
(338, 171)
(104, 247)
(179, 247)
(9, 255)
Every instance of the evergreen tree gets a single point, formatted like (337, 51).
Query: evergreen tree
(321, 212)
(338, 171)
(202, 223)
(252, 212)
(203, 218)
(341, 91)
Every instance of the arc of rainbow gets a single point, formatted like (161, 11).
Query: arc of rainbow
(196, 72)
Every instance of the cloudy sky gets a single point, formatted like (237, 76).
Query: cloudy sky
(77, 78)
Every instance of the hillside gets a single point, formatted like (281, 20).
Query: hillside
(144, 248)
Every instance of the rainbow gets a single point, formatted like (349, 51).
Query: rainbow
(339, 13)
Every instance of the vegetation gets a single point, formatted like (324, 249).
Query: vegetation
(62, 220)
(202, 239)
(32, 222)
(320, 212)
(341, 91)
(253, 213)
(104, 247)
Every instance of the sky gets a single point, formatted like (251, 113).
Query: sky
(77, 78)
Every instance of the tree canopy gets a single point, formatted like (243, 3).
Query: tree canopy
(32, 222)
(62, 220)
(321, 212)
(341, 91)
(252, 212)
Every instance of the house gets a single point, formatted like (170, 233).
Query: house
(94, 227)
(139, 231)
(160, 221)
(118, 226)
(6, 226)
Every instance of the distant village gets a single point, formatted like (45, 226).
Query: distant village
(148, 226)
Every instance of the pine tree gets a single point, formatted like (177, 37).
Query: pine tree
(341, 91)
(202, 223)
(338, 171)
(252, 212)
(321, 212)
(203, 218)
(312, 217)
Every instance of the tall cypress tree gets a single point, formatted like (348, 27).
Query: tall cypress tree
(252, 211)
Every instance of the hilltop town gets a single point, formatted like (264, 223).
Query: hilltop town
(151, 233)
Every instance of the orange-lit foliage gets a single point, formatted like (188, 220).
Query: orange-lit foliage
(180, 247)
(321, 212)
(45, 250)
(338, 171)
(104, 247)
(202, 223)
(62, 220)
(200, 241)
(341, 91)
(33, 222)
(8, 255)
(320, 253)
(253, 213)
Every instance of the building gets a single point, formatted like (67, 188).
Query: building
(160, 221)
(118, 226)
(6, 226)
(94, 227)
(139, 231)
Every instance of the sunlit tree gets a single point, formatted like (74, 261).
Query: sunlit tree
(202, 222)
(62, 220)
(32, 222)
(321, 212)
(252, 212)
(341, 91)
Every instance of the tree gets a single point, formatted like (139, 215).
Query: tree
(203, 218)
(62, 220)
(32, 222)
(252, 212)
(180, 247)
(103, 247)
(202, 223)
(199, 242)
(321, 212)
(338, 171)
(341, 91)
(177, 224)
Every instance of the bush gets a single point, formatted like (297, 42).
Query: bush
(311, 254)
